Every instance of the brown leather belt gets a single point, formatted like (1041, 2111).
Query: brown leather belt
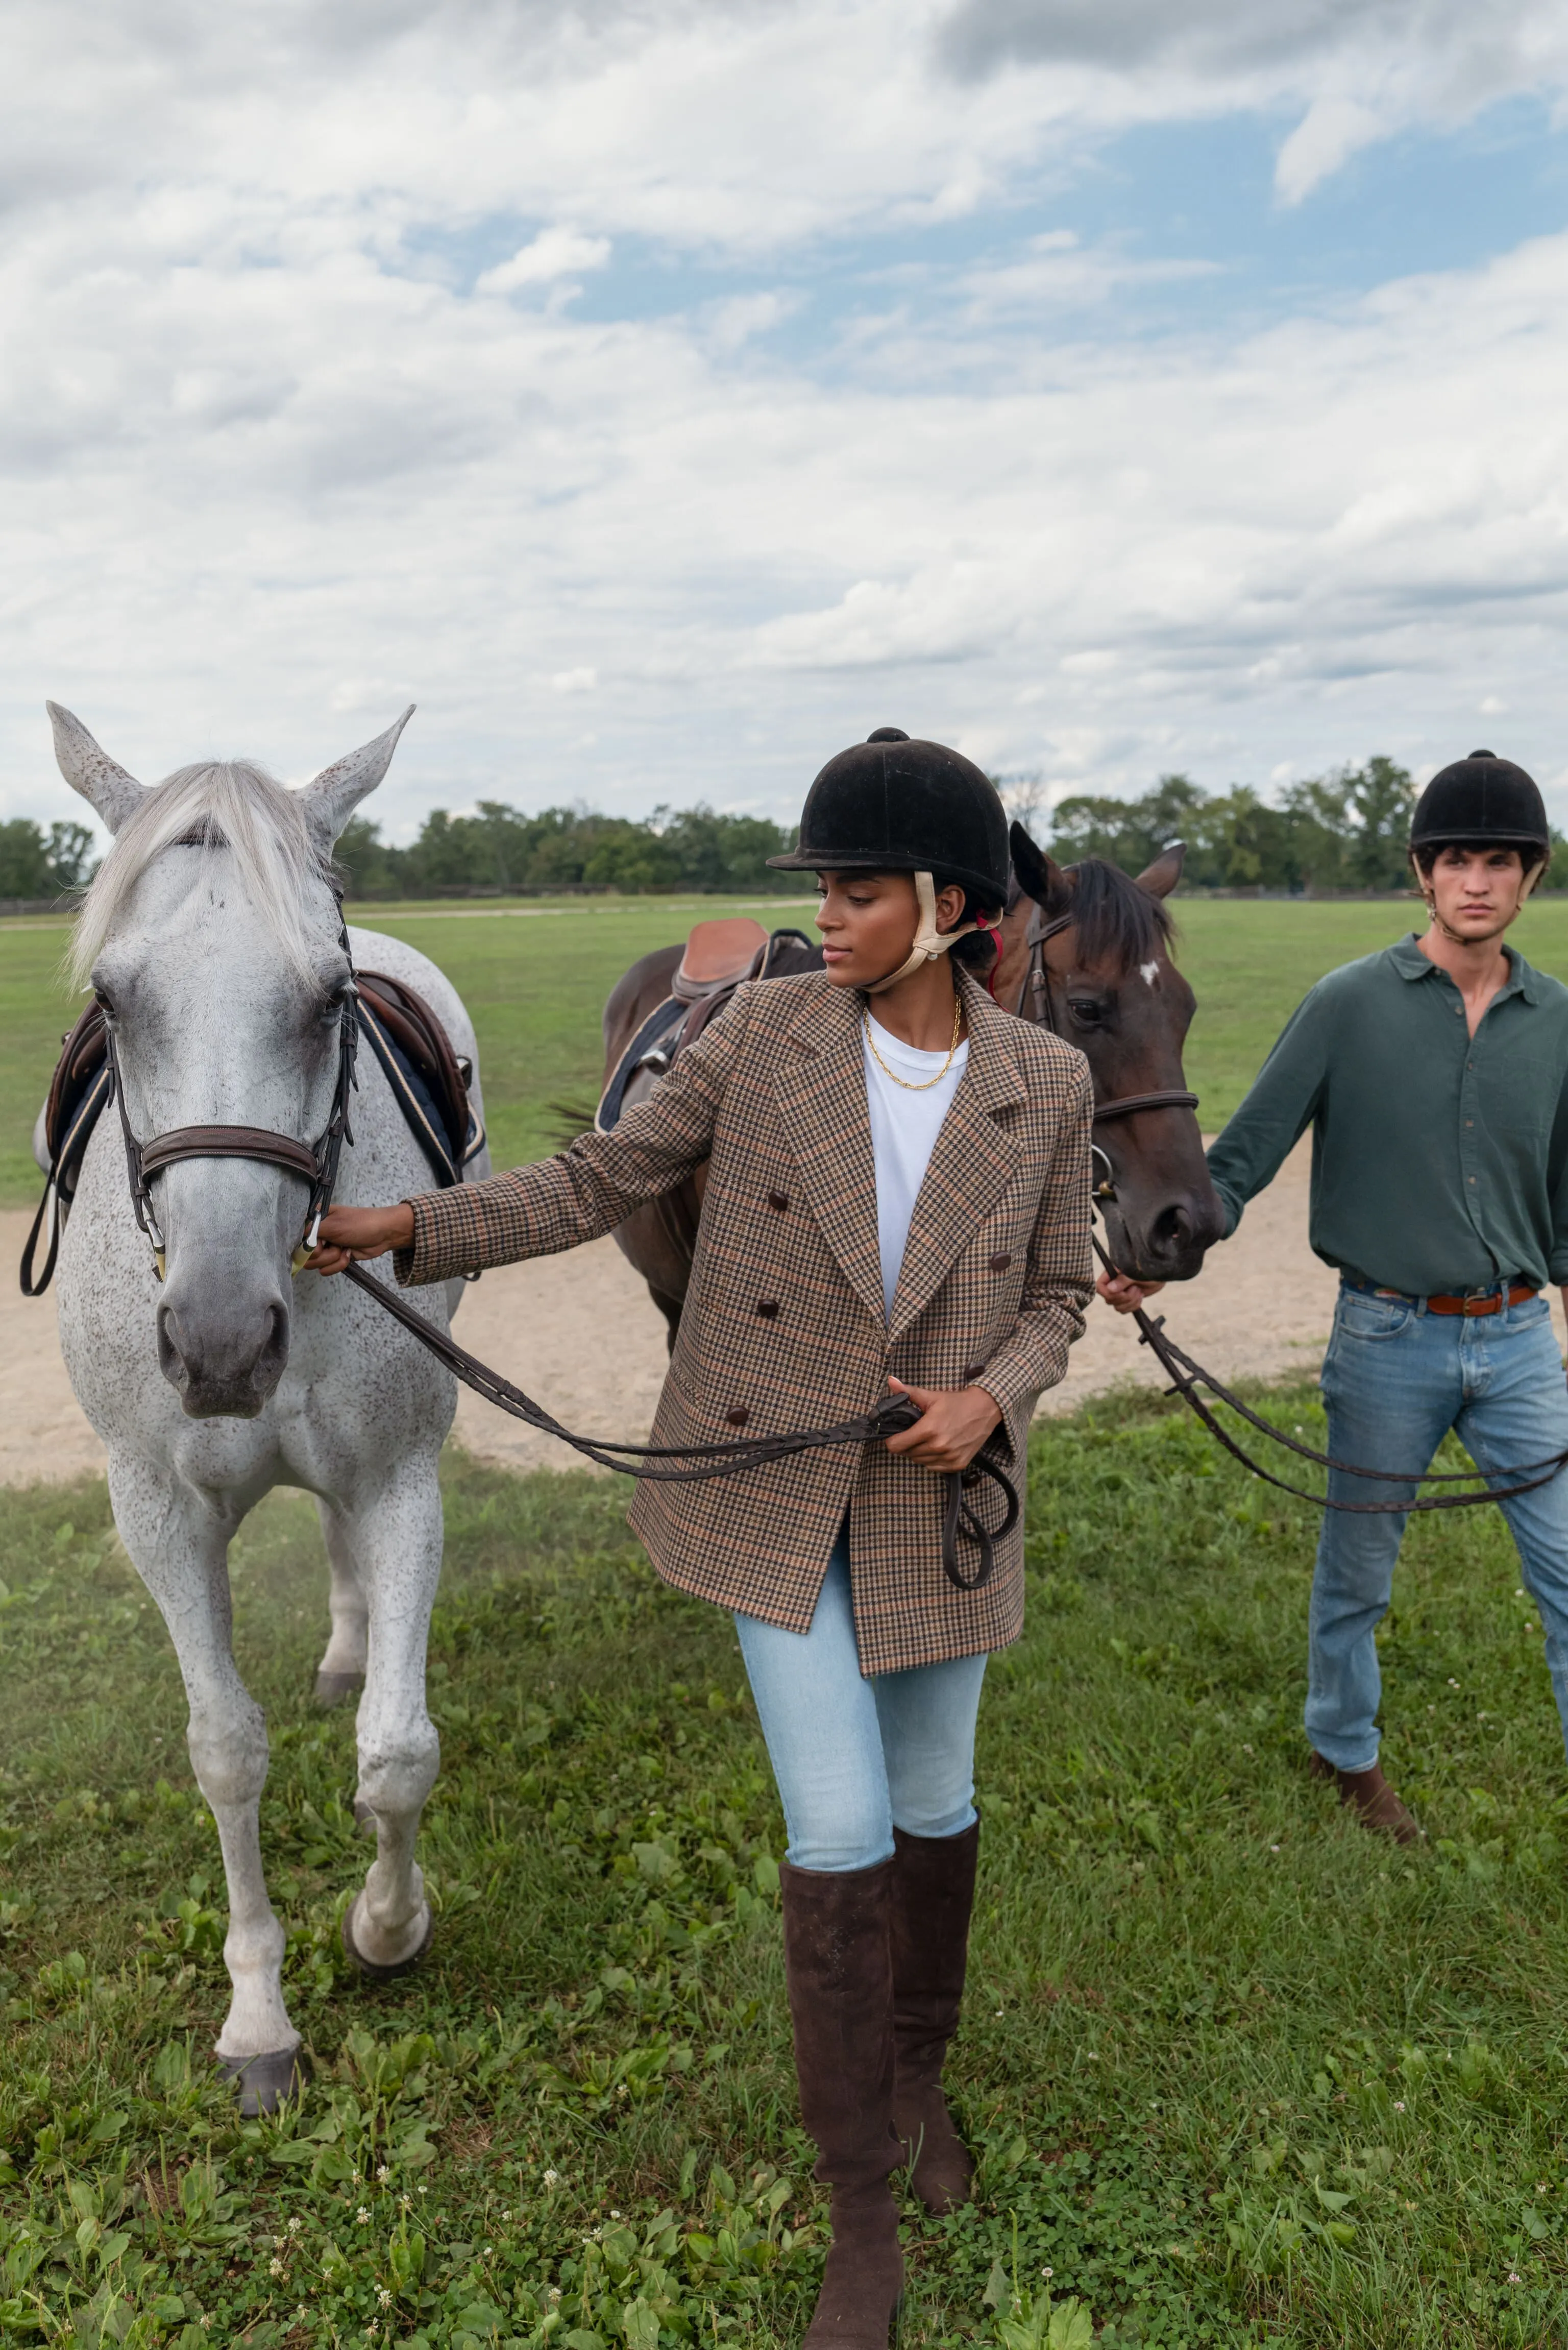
(1471, 1302)
(1492, 1302)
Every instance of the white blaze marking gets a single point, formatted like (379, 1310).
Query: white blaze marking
(1150, 972)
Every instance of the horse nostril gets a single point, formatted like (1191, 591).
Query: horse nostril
(273, 1354)
(1171, 1232)
(171, 1360)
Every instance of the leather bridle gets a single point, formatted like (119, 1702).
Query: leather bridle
(1034, 1004)
(317, 1162)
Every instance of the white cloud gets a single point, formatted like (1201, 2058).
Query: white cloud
(553, 253)
(271, 469)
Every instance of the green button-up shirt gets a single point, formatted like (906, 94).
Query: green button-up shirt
(1439, 1160)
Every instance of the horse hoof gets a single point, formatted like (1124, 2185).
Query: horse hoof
(369, 1966)
(263, 2083)
(337, 1689)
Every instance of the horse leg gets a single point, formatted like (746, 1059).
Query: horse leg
(397, 1539)
(179, 1547)
(341, 1672)
(671, 1309)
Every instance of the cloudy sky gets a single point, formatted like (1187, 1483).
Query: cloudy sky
(663, 392)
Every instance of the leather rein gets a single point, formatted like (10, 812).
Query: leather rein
(1187, 1376)
(318, 1163)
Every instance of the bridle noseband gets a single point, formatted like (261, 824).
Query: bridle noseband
(316, 1162)
(1037, 983)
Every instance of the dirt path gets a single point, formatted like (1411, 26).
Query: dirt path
(579, 1333)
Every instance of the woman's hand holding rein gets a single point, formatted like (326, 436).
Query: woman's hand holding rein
(348, 1235)
(954, 1423)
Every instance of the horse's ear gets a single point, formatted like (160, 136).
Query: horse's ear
(337, 790)
(90, 771)
(1161, 878)
(1039, 875)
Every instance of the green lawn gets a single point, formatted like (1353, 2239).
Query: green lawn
(1237, 2072)
(535, 984)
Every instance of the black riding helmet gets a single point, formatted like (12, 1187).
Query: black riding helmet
(892, 805)
(1483, 799)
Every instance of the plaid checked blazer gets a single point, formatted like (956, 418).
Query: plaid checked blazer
(784, 1325)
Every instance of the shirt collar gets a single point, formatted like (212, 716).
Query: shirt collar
(1410, 963)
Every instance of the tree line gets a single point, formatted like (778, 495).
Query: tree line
(499, 847)
(1342, 831)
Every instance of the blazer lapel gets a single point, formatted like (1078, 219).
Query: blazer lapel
(820, 1084)
(974, 1159)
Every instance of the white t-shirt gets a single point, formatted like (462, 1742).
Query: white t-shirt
(904, 1130)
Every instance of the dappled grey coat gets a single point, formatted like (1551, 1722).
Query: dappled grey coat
(785, 1326)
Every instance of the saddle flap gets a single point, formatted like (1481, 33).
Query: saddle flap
(718, 955)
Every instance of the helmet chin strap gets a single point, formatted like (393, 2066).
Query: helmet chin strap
(929, 942)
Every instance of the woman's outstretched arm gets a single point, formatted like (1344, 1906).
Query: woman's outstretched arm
(556, 1204)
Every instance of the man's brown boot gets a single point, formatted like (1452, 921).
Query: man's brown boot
(934, 1893)
(839, 1967)
(1368, 1794)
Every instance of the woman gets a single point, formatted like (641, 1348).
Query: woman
(898, 1196)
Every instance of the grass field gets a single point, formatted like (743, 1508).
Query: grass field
(1237, 2072)
(535, 984)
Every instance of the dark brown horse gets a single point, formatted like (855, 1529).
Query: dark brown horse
(1110, 988)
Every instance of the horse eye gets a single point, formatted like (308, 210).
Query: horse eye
(101, 997)
(1086, 1009)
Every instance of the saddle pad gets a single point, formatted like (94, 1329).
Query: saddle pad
(428, 1082)
(660, 1033)
(674, 1023)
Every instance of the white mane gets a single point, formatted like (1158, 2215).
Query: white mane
(232, 805)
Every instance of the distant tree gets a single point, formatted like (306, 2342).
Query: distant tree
(1342, 831)
(38, 864)
(1129, 832)
(370, 869)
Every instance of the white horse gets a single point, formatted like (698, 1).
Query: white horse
(214, 939)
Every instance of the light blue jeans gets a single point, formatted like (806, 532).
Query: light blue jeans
(1394, 1381)
(855, 1758)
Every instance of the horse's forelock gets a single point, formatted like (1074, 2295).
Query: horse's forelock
(1117, 922)
(232, 805)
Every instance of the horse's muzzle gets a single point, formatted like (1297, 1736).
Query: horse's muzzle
(224, 1364)
(1170, 1243)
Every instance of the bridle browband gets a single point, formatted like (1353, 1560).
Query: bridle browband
(1037, 983)
(317, 1162)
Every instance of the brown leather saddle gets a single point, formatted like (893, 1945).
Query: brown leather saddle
(719, 956)
(429, 1082)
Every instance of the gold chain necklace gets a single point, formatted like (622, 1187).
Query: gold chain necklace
(926, 1083)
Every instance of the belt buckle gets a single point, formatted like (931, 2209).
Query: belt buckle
(1481, 1301)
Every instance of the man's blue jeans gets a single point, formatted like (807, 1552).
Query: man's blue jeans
(854, 1758)
(1394, 1381)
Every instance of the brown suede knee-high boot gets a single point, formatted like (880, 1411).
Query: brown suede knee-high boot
(934, 1893)
(839, 1967)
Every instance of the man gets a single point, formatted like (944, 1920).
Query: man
(1435, 1079)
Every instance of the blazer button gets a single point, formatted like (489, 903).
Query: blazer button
(739, 1417)
(779, 1202)
(767, 1308)
(999, 1263)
